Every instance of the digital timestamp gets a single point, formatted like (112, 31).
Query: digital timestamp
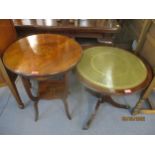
(130, 118)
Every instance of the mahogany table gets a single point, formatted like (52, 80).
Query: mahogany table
(107, 71)
(45, 58)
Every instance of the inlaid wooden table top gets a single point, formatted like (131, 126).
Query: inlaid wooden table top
(42, 55)
(109, 69)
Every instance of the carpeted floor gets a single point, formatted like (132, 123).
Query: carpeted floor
(53, 120)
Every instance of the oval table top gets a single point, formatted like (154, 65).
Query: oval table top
(111, 70)
(42, 55)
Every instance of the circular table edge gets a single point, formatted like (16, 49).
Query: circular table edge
(44, 75)
(103, 90)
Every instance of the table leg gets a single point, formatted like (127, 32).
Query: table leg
(64, 99)
(36, 110)
(149, 103)
(143, 97)
(66, 108)
(27, 86)
(36, 98)
(88, 123)
(113, 103)
(138, 106)
(11, 85)
(103, 99)
(14, 91)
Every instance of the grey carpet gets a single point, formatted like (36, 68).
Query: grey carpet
(52, 119)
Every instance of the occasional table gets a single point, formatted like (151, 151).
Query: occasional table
(44, 59)
(107, 71)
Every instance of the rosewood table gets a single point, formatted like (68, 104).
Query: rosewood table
(107, 71)
(44, 59)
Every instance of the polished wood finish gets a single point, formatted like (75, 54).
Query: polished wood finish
(8, 36)
(10, 83)
(104, 30)
(107, 71)
(85, 25)
(42, 55)
(2, 81)
(48, 89)
(43, 58)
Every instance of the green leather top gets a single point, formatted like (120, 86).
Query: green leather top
(111, 68)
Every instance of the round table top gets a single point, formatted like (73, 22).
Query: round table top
(109, 69)
(42, 55)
